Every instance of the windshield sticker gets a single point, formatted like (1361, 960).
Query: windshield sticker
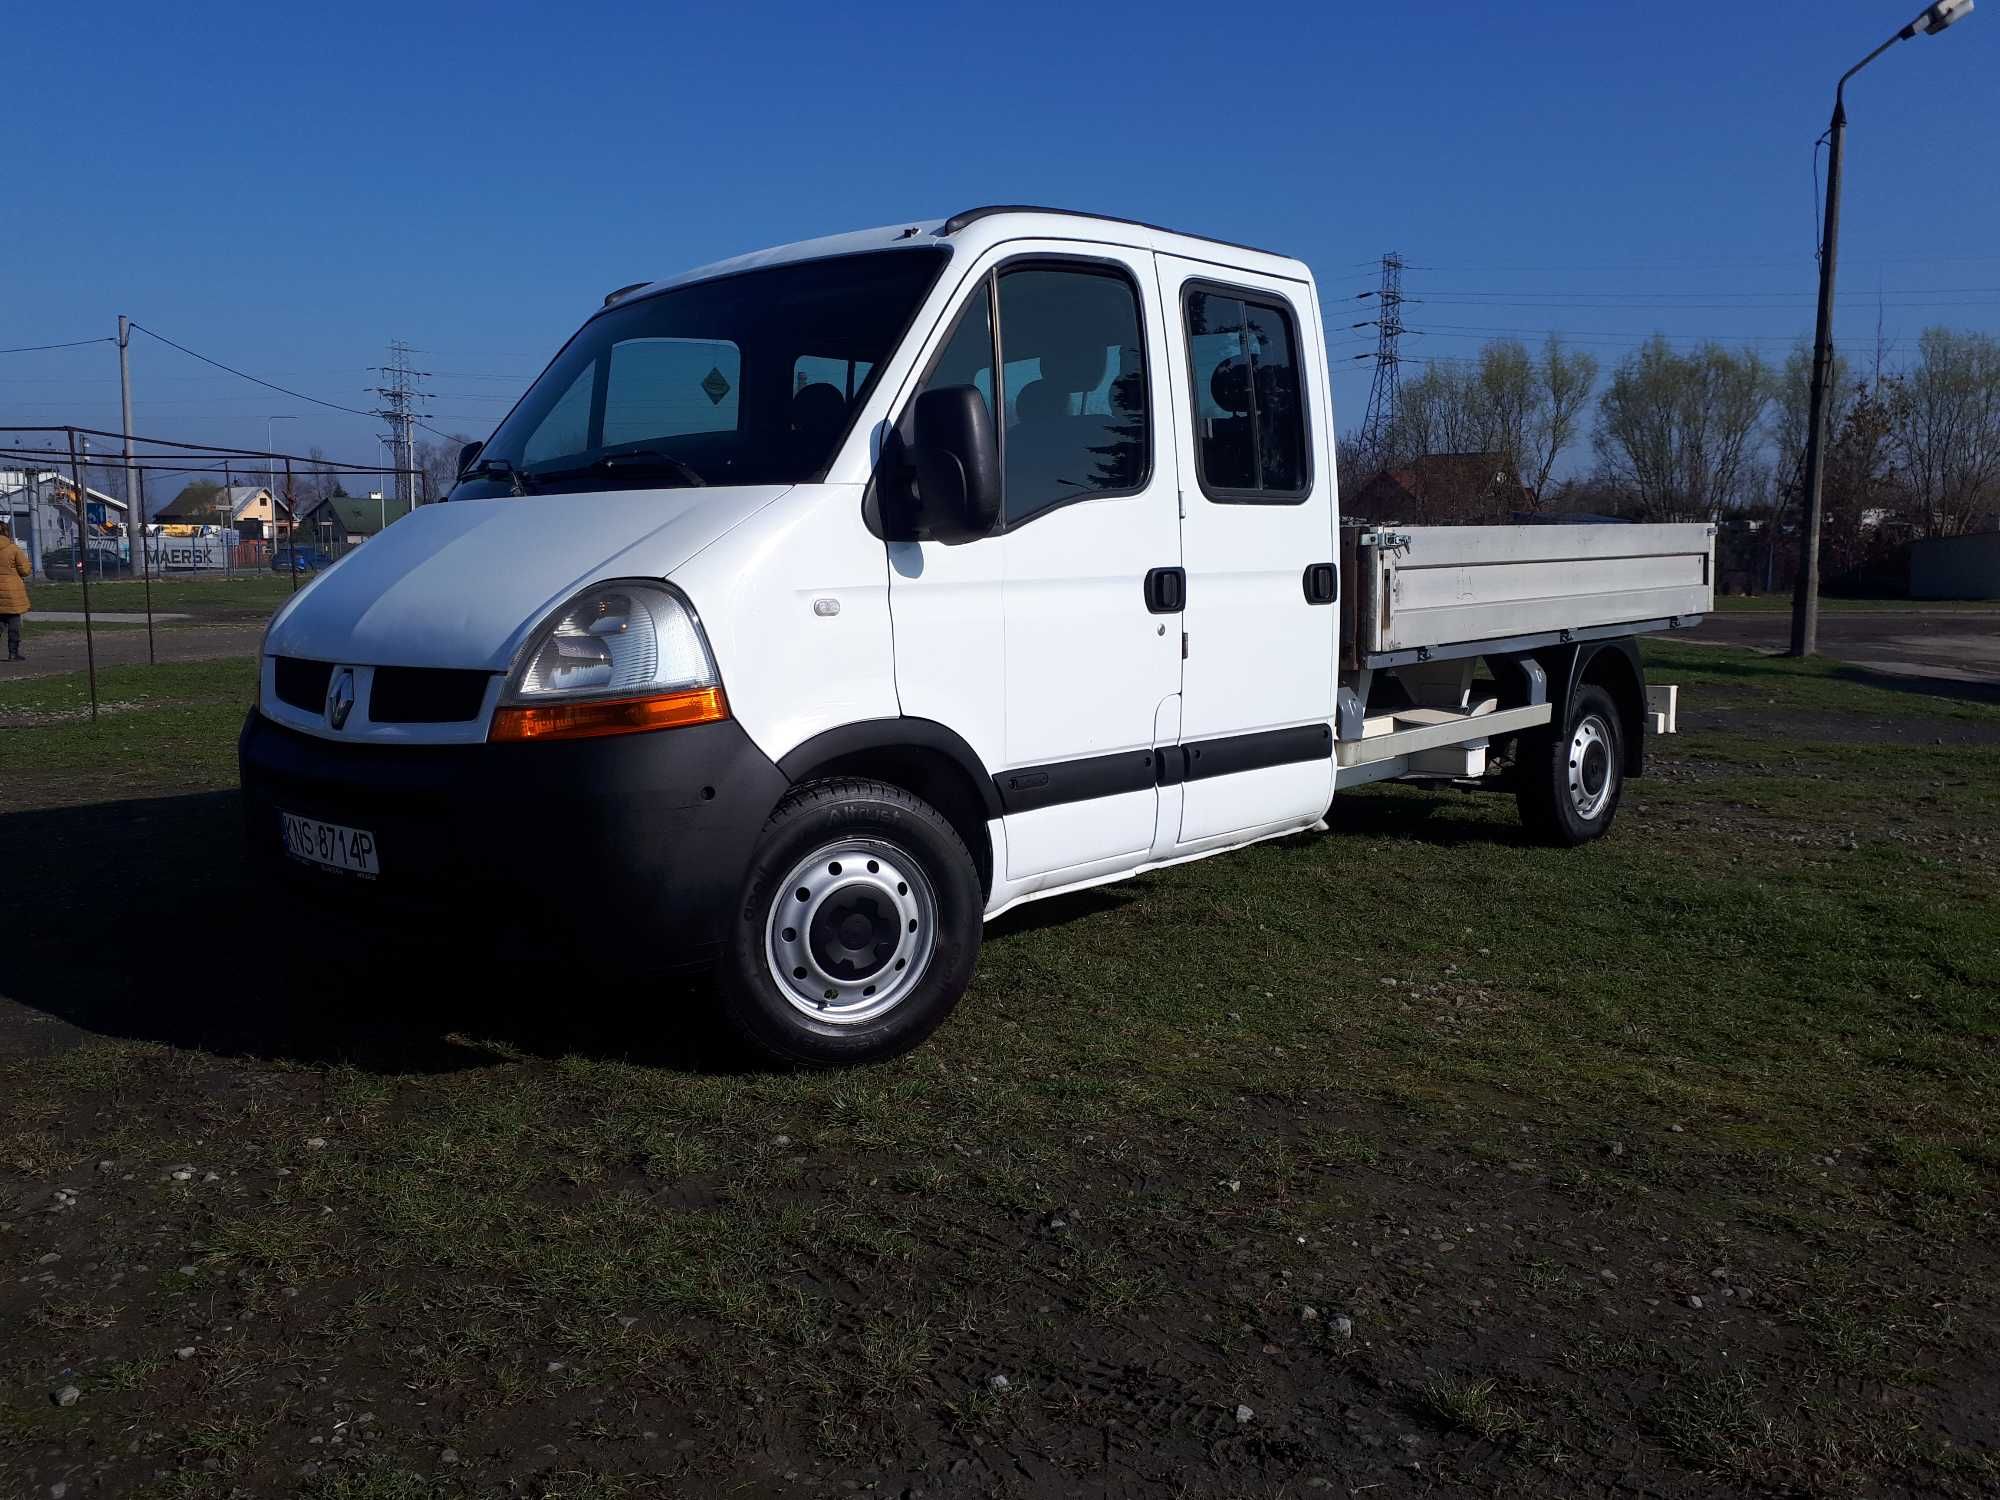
(716, 384)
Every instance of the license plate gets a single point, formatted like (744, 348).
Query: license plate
(351, 850)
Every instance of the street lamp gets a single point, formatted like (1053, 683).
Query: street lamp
(1805, 596)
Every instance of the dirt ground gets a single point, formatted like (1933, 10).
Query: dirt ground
(56, 649)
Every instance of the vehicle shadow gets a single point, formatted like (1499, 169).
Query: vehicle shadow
(141, 919)
(1960, 689)
(1056, 911)
(1433, 815)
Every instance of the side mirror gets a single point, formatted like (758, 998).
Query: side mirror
(466, 455)
(956, 459)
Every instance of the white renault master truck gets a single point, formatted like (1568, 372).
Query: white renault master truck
(814, 607)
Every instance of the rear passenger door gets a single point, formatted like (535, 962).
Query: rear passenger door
(1257, 543)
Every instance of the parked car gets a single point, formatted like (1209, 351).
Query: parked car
(59, 564)
(300, 559)
(789, 623)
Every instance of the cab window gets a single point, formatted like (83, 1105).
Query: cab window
(1249, 403)
(1074, 386)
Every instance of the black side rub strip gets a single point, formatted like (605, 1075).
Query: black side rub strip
(1032, 787)
(1255, 752)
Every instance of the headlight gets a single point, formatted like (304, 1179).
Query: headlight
(617, 659)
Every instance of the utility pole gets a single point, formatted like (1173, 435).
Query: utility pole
(401, 398)
(1805, 596)
(1377, 429)
(135, 497)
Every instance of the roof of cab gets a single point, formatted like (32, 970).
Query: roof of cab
(976, 229)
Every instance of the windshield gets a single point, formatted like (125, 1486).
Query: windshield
(747, 379)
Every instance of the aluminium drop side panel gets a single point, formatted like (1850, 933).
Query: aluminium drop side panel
(1472, 583)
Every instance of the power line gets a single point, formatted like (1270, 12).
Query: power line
(268, 385)
(1455, 330)
(72, 344)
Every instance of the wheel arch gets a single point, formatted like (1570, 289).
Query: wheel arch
(1615, 666)
(923, 757)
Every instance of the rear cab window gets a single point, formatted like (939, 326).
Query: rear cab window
(1250, 438)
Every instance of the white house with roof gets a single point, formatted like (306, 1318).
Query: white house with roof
(250, 510)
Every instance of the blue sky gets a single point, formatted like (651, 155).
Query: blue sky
(289, 188)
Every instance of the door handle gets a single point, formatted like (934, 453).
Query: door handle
(1166, 591)
(1322, 583)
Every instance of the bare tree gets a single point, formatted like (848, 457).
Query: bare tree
(437, 464)
(1564, 382)
(314, 480)
(1791, 407)
(1948, 429)
(1677, 429)
(1508, 402)
(1438, 412)
(1863, 485)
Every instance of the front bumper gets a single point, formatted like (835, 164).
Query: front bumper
(638, 842)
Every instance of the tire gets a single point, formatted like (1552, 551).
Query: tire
(1569, 784)
(887, 911)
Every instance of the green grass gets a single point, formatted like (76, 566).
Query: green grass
(171, 726)
(1379, 1072)
(248, 597)
(1712, 677)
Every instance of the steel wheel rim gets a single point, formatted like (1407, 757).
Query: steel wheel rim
(851, 931)
(1592, 772)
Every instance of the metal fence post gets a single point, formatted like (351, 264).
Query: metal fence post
(83, 554)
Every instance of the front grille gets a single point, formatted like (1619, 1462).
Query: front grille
(302, 683)
(425, 695)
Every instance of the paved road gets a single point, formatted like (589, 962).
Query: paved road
(1944, 644)
(63, 650)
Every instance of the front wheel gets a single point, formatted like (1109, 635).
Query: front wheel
(1570, 780)
(858, 927)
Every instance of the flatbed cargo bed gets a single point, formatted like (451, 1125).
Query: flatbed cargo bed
(1420, 592)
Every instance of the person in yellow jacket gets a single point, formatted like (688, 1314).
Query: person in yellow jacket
(14, 573)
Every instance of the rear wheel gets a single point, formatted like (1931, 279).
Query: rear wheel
(858, 928)
(1571, 779)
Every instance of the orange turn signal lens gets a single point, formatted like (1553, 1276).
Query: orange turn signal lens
(594, 718)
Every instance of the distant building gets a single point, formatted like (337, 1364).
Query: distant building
(250, 509)
(342, 520)
(40, 504)
(1956, 567)
(1441, 487)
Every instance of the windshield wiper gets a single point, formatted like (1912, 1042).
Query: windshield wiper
(651, 458)
(499, 468)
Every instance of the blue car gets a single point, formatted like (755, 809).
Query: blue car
(300, 560)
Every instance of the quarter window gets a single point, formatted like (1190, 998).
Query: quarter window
(1249, 407)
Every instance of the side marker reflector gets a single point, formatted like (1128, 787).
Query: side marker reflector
(594, 718)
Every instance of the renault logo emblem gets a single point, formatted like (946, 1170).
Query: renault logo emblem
(340, 698)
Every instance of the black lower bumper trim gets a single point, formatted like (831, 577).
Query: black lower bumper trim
(640, 841)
